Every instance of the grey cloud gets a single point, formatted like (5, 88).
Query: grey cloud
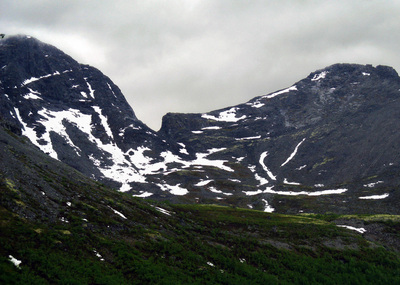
(196, 56)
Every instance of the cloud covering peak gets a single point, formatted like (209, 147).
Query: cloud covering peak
(196, 56)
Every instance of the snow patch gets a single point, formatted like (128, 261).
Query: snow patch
(268, 208)
(109, 86)
(252, 168)
(301, 167)
(202, 160)
(372, 185)
(316, 193)
(257, 104)
(269, 96)
(285, 181)
(215, 190)
(121, 170)
(98, 255)
(260, 179)
(211, 128)
(319, 76)
(248, 138)
(53, 121)
(143, 195)
(166, 212)
(261, 161)
(293, 153)
(95, 161)
(374, 197)
(118, 213)
(252, 193)
(103, 121)
(225, 116)
(91, 91)
(131, 126)
(31, 134)
(33, 95)
(174, 190)
(183, 149)
(360, 230)
(33, 79)
(202, 183)
(64, 220)
(15, 261)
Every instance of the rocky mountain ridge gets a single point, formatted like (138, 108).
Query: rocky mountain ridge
(332, 133)
(326, 143)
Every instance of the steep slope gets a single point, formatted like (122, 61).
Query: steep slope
(327, 143)
(59, 227)
(75, 114)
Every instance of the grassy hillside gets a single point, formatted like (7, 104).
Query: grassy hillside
(182, 244)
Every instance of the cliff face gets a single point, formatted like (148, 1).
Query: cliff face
(326, 143)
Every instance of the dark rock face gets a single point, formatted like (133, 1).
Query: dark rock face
(327, 143)
(71, 111)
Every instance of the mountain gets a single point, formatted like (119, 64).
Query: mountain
(74, 113)
(328, 143)
(57, 226)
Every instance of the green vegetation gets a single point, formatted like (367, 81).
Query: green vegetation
(325, 161)
(195, 244)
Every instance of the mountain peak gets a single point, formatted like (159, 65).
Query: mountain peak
(353, 70)
(29, 44)
(20, 37)
(71, 111)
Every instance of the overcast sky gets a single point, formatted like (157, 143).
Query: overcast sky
(201, 55)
